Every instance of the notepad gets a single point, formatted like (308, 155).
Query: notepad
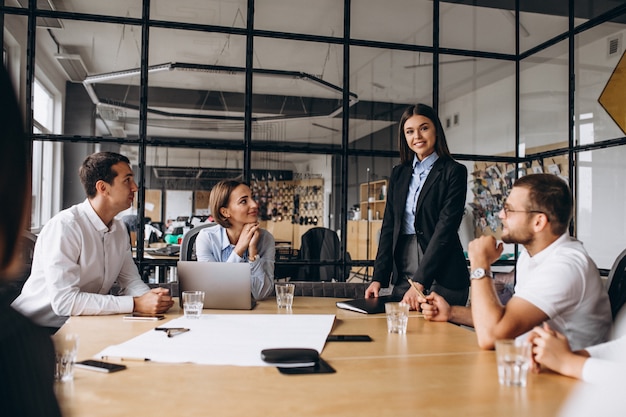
(373, 305)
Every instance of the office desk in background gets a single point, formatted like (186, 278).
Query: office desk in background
(435, 369)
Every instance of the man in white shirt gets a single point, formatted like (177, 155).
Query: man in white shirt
(83, 250)
(557, 282)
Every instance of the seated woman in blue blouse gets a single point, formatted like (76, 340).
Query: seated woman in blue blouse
(237, 236)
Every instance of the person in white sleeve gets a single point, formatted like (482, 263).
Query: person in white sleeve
(83, 250)
(595, 364)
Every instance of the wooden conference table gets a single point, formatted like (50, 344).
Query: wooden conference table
(436, 369)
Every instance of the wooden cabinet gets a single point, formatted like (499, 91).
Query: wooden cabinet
(363, 235)
(373, 197)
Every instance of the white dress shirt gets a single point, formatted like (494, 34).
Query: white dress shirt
(76, 261)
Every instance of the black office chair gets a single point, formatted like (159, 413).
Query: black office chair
(26, 251)
(330, 289)
(188, 245)
(321, 244)
(616, 283)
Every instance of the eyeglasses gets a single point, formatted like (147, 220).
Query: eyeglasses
(507, 210)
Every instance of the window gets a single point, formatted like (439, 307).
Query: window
(44, 155)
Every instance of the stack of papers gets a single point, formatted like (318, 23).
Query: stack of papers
(227, 339)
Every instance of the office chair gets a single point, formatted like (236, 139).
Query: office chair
(26, 251)
(330, 289)
(188, 245)
(616, 283)
(321, 244)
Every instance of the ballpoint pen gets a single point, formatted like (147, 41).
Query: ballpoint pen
(414, 285)
(172, 331)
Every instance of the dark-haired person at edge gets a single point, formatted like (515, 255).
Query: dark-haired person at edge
(82, 251)
(419, 237)
(238, 236)
(26, 350)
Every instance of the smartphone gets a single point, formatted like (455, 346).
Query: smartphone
(143, 316)
(348, 338)
(100, 366)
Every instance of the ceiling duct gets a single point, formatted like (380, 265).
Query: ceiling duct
(44, 22)
(188, 173)
(73, 66)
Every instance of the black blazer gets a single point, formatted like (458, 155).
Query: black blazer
(438, 216)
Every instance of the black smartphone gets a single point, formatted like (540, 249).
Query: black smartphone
(100, 366)
(348, 338)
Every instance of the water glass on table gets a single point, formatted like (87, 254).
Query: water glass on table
(193, 302)
(514, 360)
(397, 317)
(284, 295)
(65, 349)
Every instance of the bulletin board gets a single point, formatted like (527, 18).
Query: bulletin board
(491, 183)
(201, 203)
(153, 205)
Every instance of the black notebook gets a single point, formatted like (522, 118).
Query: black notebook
(373, 305)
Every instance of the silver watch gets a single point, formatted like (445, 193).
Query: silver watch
(480, 273)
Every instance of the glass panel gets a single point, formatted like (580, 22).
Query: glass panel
(230, 13)
(196, 90)
(544, 100)
(542, 21)
(477, 107)
(183, 169)
(300, 101)
(400, 21)
(294, 192)
(473, 28)
(599, 102)
(86, 54)
(386, 82)
(14, 52)
(320, 17)
(368, 182)
(601, 204)
(590, 9)
(123, 8)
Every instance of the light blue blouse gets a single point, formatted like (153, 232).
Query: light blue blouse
(420, 173)
(212, 245)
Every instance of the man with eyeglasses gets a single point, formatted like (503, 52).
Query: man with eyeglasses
(557, 281)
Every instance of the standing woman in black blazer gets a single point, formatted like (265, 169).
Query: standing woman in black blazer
(425, 203)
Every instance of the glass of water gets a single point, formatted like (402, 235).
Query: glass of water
(397, 317)
(65, 348)
(193, 302)
(513, 361)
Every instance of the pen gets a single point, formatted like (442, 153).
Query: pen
(124, 359)
(172, 331)
(414, 285)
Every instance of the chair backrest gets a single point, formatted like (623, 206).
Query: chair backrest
(330, 289)
(26, 251)
(616, 283)
(188, 245)
(321, 244)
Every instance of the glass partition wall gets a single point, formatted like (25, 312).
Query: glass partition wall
(302, 100)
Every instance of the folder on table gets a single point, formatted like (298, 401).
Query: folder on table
(374, 305)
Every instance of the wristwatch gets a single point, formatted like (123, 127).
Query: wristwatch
(480, 273)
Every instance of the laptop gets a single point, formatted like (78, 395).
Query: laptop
(226, 285)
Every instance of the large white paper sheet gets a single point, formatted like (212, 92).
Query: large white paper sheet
(222, 339)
